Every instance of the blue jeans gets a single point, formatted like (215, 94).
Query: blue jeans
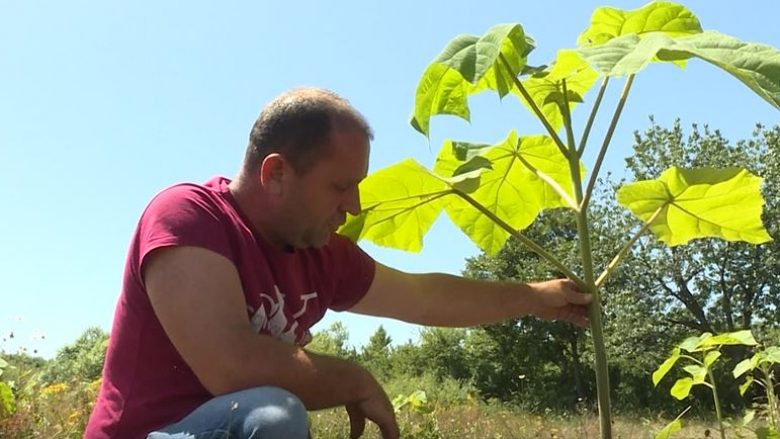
(256, 413)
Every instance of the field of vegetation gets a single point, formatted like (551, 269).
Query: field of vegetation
(52, 399)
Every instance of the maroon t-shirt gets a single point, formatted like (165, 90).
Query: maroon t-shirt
(146, 383)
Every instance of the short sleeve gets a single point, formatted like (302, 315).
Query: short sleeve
(183, 215)
(354, 271)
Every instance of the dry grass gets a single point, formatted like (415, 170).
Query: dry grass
(481, 421)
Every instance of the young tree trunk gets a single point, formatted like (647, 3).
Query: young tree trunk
(576, 366)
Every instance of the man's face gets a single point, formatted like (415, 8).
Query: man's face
(316, 203)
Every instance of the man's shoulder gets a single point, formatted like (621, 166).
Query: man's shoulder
(187, 214)
(187, 193)
(184, 190)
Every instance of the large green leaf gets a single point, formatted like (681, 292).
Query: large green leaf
(771, 355)
(698, 373)
(441, 90)
(418, 400)
(744, 337)
(469, 64)
(756, 65)
(767, 433)
(510, 189)
(400, 203)
(669, 18)
(7, 402)
(682, 388)
(744, 366)
(698, 203)
(511, 179)
(749, 416)
(546, 88)
(711, 358)
(691, 344)
(671, 428)
(455, 156)
(744, 386)
(507, 41)
(664, 368)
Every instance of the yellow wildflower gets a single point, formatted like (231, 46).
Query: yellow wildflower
(94, 386)
(74, 417)
(54, 389)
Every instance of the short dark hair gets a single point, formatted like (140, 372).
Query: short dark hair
(298, 125)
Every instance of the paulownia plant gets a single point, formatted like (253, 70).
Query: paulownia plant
(697, 356)
(492, 192)
(764, 362)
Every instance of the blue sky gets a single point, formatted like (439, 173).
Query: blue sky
(102, 104)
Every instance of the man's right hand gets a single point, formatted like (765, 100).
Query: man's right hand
(375, 406)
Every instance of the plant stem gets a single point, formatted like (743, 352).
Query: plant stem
(692, 359)
(592, 117)
(535, 108)
(533, 246)
(567, 122)
(717, 404)
(770, 396)
(596, 328)
(594, 311)
(607, 139)
(616, 260)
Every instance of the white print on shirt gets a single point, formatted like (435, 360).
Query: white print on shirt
(274, 321)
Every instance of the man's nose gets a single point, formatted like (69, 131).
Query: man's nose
(351, 203)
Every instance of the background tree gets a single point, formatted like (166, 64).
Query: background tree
(442, 350)
(80, 361)
(408, 360)
(375, 355)
(333, 340)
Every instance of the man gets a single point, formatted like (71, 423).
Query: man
(224, 280)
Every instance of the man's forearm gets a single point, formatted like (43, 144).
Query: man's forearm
(320, 381)
(469, 302)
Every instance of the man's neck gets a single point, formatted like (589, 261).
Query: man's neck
(250, 200)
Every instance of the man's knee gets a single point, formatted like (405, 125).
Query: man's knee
(277, 413)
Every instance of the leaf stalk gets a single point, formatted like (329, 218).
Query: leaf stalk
(531, 244)
(607, 139)
(592, 117)
(535, 108)
(616, 260)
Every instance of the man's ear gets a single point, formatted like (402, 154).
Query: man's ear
(272, 171)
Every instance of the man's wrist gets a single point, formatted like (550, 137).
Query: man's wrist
(522, 299)
(364, 383)
(532, 299)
